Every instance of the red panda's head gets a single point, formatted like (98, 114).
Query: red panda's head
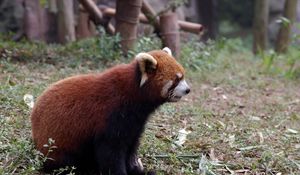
(162, 74)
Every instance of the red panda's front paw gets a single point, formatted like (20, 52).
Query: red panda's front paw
(135, 166)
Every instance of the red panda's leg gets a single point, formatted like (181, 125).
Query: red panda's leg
(132, 163)
(110, 159)
(133, 166)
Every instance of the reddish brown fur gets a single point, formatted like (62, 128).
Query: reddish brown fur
(85, 90)
(165, 73)
(76, 108)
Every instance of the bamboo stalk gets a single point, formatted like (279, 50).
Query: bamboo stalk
(96, 15)
(169, 31)
(183, 25)
(260, 25)
(82, 29)
(111, 12)
(127, 18)
(190, 27)
(284, 34)
(53, 6)
(93, 10)
(66, 21)
(32, 22)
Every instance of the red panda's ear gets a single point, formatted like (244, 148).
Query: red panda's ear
(168, 50)
(146, 62)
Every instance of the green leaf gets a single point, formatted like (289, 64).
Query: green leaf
(284, 21)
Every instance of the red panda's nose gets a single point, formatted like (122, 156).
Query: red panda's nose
(187, 90)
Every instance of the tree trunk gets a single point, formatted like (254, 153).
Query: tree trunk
(283, 38)
(84, 28)
(127, 18)
(170, 32)
(260, 25)
(52, 33)
(44, 23)
(66, 21)
(32, 15)
(53, 6)
(208, 18)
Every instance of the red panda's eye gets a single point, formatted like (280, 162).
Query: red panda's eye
(151, 70)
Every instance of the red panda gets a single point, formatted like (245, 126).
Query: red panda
(96, 120)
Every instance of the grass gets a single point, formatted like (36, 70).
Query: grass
(243, 113)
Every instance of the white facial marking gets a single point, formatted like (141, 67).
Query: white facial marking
(143, 79)
(168, 50)
(180, 90)
(165, 89)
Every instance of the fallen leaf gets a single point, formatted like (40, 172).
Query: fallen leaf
(221, 124)
(181, 138)
(291, 131)
(28, 99)
(231, 140)
(247, 148)
(254, 118)
(159, 135)
(261, 137)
